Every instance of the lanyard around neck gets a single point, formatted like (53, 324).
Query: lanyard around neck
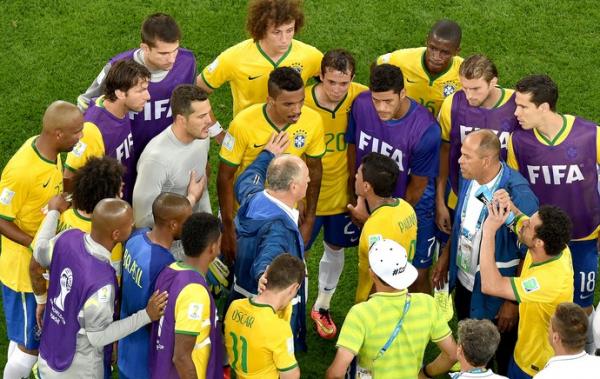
(396, 329)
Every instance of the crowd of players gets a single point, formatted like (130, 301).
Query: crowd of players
(432, 153)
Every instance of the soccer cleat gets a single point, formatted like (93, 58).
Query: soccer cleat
(323, 323)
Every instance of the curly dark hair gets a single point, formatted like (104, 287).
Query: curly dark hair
(98, 179)
(555, 229)
(263, 13)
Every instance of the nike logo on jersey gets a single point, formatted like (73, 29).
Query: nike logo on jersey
(582, 297)
(257, 146)
(253, 77)
(46, 185)
(410, 81)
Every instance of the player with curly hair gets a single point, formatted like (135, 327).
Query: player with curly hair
(246, 66)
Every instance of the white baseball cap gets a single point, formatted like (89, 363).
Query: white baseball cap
(389, 261)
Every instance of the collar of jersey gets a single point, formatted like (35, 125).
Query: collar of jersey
(404, 292)
(560, 136)
(433, 78)
(38, 153)
(266, 115)
(261, 305)
(313, 91)
(274, 64)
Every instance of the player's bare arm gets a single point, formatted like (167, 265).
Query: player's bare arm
(182, 356)
(315, 170)
(11, 231)
(416, 187)
(225, 192)
(492, 282)
(442, 214)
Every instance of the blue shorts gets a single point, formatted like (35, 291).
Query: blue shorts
(585, 267)
(19, 311)
(515, 372)
(426, 240)
(339, 230)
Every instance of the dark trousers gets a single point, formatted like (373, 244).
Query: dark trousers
(506, 348)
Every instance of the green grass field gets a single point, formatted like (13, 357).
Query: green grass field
(54, 49)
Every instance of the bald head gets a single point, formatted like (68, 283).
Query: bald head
(60, 113)
(62, 126)
(170, 206)
(487, 142)
(112, 218)
(283, 171)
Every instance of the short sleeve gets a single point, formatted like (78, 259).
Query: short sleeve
(218, 72)
(316, 146)
(13, 193)
(439, 327)
(511, 158)
(283, 348)
(234, 144)
(537, 287)
(314, 69)
(425, 159)
(445, 118)
(192, 311)
(353, 332)
(90, 145)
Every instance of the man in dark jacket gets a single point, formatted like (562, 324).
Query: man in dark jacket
(482, 169)
(267, 222)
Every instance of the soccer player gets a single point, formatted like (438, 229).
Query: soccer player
(246, 66)
(187, 341)
(546, 279)
(386, 121)
(259, 342)
(431, 72)
(107, 127)
(177, 159)
(98, 179)
(391, 218)
(389, 332)
(267, 222)
(82, 292)
(332, 99)
(283, 112)
(481, 104)
(169, 64)
(30, 178)
(146, 254)
(558, 155)
(568, 335)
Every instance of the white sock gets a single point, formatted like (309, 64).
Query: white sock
(590, 346)
(11, 348)
(19, 365)
(330, 269)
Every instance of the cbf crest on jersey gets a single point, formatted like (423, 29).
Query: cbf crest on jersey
(299, 138)
(449, 89)
(298, 67)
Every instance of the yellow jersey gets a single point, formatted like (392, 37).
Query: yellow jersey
(72, 219)
(192, 317)
(250, 131)
(28, 181)
(91, 144)
(429, 90)
(259, 343)
(247, 67)
(539, 289)
(396, 221)
(333, 196)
